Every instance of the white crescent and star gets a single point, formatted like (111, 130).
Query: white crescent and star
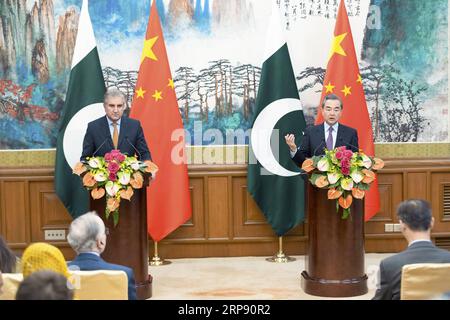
(76, 129)
(262, 131)
(260, 136)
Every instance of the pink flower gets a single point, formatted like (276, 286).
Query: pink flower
(115, 155)
(113, 167)
(120, 158)
(340, 148)
(339, 155)
(112, 176)
(345, 171)
(348, 153)
(345, 163)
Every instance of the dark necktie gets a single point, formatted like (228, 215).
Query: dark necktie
(330, 139)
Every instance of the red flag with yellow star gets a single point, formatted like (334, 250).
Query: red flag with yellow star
(343, 79)
(155, 106)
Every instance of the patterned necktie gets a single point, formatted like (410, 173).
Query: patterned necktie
(330, 139)
(115, 135)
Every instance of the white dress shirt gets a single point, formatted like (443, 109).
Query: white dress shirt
(326, 126)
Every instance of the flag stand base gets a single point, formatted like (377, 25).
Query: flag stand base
(280, 257)
(156, 260)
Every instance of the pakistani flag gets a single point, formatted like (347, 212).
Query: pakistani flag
(273, 179)
(83, 104)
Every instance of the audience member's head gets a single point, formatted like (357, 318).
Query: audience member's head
(44, 285)
(87, 234)
(43, 256)
(7, 258)
(415, 218)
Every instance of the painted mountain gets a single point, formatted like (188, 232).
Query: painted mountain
(407, 73)
(215, 49)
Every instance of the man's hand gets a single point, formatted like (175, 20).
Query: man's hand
(290, 141)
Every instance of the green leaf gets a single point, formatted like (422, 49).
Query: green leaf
(116, 217)
(363, 186)
(345, 213)
(316, 160)
(314, 177)
(337, 184)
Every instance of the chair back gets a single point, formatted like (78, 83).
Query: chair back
(421, 281)
(100, 284)
(88, 285)
(11, 282)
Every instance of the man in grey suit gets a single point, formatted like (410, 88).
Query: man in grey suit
(416, 223)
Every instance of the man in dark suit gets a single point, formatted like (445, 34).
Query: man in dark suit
(416, 222)
(330, 134)
(115, 131)
(87, 237)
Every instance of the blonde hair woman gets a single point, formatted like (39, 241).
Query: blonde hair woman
(43, 256)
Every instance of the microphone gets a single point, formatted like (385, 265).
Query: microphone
(101, 145)
(321, 144)
(137, 151)
(303, 172)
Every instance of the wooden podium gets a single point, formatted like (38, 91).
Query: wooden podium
(335, 255)
(127, 243)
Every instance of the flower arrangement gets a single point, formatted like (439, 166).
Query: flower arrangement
(346, 175)
(115, 175)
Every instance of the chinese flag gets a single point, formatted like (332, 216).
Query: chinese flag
(343, 79)
(155, 106)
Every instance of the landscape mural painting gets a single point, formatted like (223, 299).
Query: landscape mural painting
(215, 49)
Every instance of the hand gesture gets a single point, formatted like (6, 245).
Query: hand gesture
(290, 141)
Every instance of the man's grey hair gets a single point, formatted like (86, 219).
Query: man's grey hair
(113, 92)
(84, 232)
(332, 96)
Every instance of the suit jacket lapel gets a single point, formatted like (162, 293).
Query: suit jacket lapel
(122, 131)
(322, 133)
(107, 133)
(340, 137)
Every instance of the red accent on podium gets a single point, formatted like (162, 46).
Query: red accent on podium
(127, 243)
(335, 257)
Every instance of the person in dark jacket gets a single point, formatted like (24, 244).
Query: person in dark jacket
(416, 222)
(330, 134)
(115, 131)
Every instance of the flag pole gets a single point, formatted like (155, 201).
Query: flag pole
(280, 257)
(156, 260)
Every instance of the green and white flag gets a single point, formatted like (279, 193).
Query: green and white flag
(84, 103)
(274, 181)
